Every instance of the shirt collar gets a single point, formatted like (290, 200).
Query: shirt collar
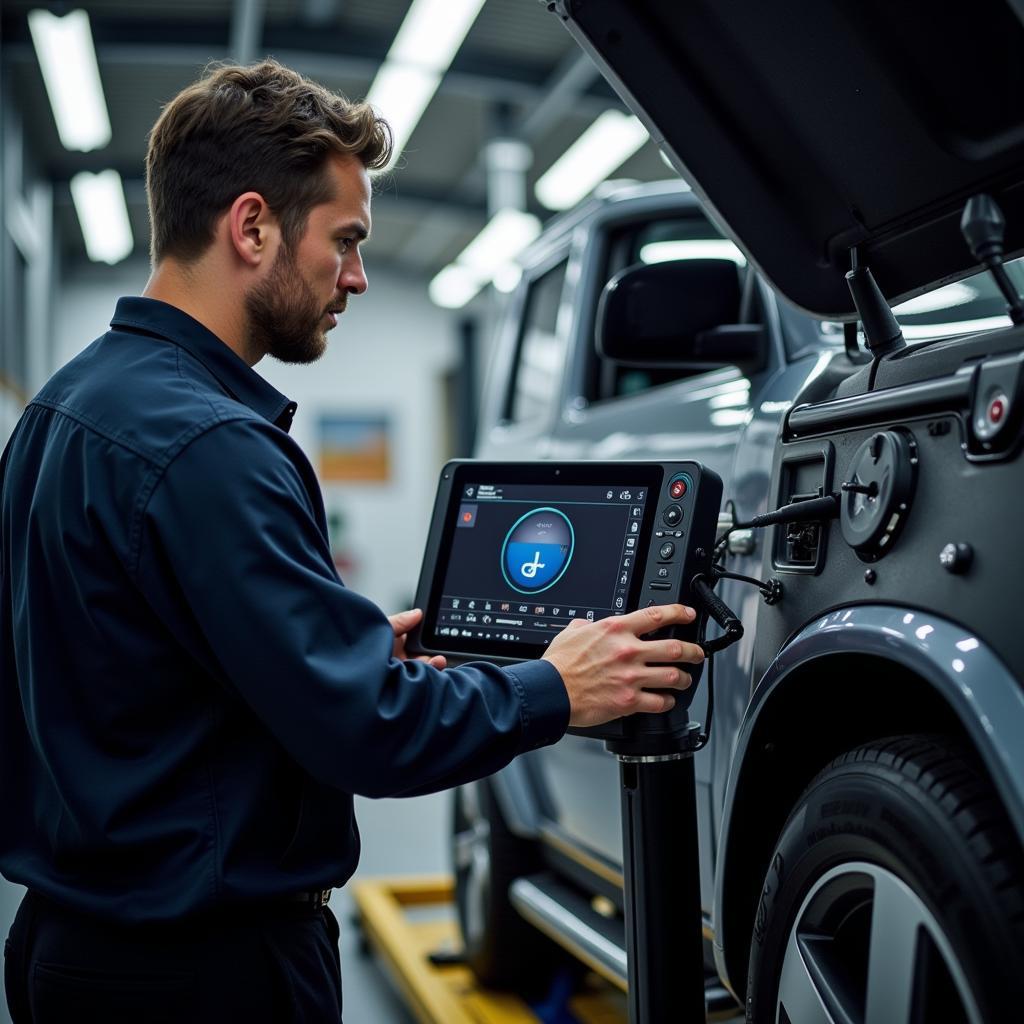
(239, 379)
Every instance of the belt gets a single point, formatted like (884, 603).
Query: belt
(316, 899)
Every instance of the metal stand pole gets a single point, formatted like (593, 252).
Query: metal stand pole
(664, 938)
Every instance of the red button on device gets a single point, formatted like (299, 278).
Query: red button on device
(678, 488)
(996, 410)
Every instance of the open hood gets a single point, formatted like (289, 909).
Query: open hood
(812, 128)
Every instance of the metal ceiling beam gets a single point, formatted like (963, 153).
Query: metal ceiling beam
(562, 94)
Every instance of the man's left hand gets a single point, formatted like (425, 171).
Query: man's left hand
(401, 623)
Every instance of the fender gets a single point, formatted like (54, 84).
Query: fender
(964, 673)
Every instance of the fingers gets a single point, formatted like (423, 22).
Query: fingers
(655, 703)
(672, 651)
(402, 622)
(646, 620)
(663, 677)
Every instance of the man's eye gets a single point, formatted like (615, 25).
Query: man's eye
(344, 244)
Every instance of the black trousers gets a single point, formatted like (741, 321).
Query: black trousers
(276, 964)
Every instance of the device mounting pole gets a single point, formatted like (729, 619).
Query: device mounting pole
(664, 929)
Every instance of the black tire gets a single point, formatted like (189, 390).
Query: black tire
(916, 819)
(502, 949)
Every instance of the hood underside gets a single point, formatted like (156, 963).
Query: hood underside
(811, 128)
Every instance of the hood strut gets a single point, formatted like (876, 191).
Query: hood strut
(983, 227)
(882, 333)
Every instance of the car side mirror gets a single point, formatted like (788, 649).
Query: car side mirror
(678, 314)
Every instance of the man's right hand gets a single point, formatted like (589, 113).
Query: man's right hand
(608, 670)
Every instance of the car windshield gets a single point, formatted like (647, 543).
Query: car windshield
(974, 304)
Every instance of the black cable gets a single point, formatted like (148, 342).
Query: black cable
(702, 740)
(808, 510)
(771, 590)
(805, 511)
(724, 574)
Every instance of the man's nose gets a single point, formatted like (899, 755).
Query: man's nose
(353, 277)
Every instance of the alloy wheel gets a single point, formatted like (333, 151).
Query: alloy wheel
(865, 949)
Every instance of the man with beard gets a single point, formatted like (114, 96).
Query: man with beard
(189, 696)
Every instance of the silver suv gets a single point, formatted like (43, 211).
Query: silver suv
(854, 710)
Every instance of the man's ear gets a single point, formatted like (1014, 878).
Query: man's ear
(252, 228)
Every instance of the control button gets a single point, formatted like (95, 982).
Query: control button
(663, 572)
(657, 585)
(679, 485)
(678, 533)
(667, 550)
(998, 381)
(659, 533)
(673, 515)
(956, 558)
(992, 413)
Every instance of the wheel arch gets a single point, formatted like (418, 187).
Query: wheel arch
(871, 671)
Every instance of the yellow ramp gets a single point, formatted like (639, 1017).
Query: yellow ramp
(449, 994)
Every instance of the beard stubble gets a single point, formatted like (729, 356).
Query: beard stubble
(284, 318)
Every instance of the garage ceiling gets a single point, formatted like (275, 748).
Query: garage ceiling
(517, 68)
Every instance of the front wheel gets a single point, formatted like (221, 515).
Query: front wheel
(894, 895)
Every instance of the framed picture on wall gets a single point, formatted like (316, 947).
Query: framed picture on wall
(354, 448)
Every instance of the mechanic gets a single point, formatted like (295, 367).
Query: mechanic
(189, 695)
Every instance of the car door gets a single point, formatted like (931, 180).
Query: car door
(611, 412)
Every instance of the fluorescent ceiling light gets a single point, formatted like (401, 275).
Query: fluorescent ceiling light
(421, 53)
(611, 140)
(504, 236)
(692, 249)
(67, 60)
(432, 32)
(103, 214)
(454, 286)
(507, 278)
(489, 257)
(401, 94)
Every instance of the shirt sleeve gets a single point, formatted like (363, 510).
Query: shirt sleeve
(231, 531)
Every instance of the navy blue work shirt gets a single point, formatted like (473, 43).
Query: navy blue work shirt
(189, 694)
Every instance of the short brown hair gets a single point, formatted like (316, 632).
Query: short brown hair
(262, 128)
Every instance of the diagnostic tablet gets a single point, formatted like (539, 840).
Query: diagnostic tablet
(517, 550)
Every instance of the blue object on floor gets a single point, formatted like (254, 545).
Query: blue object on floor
(554, 1009)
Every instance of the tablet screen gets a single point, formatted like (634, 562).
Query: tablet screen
(522, 558)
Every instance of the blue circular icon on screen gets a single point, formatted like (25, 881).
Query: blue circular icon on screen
(537, 550)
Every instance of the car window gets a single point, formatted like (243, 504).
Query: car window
(653, 241)
(541, 353)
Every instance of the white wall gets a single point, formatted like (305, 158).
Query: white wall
(386, 355)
